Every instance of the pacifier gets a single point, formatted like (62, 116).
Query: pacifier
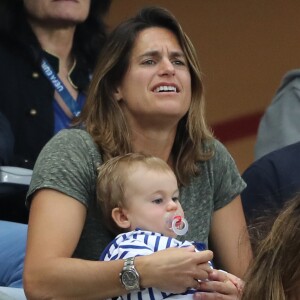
(178, 224)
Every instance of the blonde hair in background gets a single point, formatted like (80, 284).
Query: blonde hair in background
(275, 271)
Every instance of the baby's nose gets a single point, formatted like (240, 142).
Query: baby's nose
(172, 205)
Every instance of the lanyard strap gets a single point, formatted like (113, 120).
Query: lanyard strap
(60, 87)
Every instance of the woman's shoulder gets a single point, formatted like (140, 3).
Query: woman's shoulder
(70, 143)
(73, 135)
(219, 151)
(68, 163)
(220, 165)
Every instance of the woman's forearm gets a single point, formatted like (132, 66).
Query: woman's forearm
(174, 269)
(62, 278)
(231, 241)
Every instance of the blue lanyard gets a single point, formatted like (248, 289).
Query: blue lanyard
(60, 87)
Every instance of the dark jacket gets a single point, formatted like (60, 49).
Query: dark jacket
(271, 181)
(6, 141)
(26, 95)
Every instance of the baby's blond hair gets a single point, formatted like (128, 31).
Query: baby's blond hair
(112, 178)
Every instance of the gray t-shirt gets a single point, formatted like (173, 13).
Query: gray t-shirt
(68, 163)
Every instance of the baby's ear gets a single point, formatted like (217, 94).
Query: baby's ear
(119, 215)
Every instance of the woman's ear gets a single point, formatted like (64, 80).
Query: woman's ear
(118, 94)
(119, 215)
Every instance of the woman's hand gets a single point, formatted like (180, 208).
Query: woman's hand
(174, 269)
(221, 285)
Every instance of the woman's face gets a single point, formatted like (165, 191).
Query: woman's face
(57, 12)
(157, 85)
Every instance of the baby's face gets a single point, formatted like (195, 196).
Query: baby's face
(152, 196)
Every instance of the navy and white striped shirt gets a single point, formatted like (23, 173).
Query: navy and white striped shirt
(140, 243)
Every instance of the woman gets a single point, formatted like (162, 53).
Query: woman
(145, 96)
(68, 35)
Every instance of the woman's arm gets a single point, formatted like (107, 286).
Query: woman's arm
(55, 225)
(230, 240)
(54, 228)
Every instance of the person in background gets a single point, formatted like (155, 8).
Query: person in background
(64, 37)
(146, 95)
(274, 273)
(271, 181)
(12, 252)
(280, 125)
(6, 141)
(9, 208)
(139, 197)
(48, 51)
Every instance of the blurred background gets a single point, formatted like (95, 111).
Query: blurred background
(245, 48)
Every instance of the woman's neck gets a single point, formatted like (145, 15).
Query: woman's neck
(57, 42)
(156, 143)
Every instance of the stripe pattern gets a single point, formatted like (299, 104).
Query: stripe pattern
(138, 243)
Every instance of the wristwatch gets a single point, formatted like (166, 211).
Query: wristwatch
(129, 276)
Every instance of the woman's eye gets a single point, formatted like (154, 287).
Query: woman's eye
(157, 201)
(178, 62)
(148, 62)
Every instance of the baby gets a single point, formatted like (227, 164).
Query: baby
(139, 198)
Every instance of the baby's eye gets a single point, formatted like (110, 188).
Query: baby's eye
(158, 201)
(175, 199)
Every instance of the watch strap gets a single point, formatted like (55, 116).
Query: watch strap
(129, 276)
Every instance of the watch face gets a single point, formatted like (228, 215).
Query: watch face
(129, 278)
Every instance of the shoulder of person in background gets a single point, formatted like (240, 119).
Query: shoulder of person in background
(280, 124)
(290, 78)
(271, 181)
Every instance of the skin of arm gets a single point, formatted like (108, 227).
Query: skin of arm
(51, 273)
(52, 238)
(230, 239)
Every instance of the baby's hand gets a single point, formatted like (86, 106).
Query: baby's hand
(221, 285)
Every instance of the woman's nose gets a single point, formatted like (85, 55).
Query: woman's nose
(166, 67)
